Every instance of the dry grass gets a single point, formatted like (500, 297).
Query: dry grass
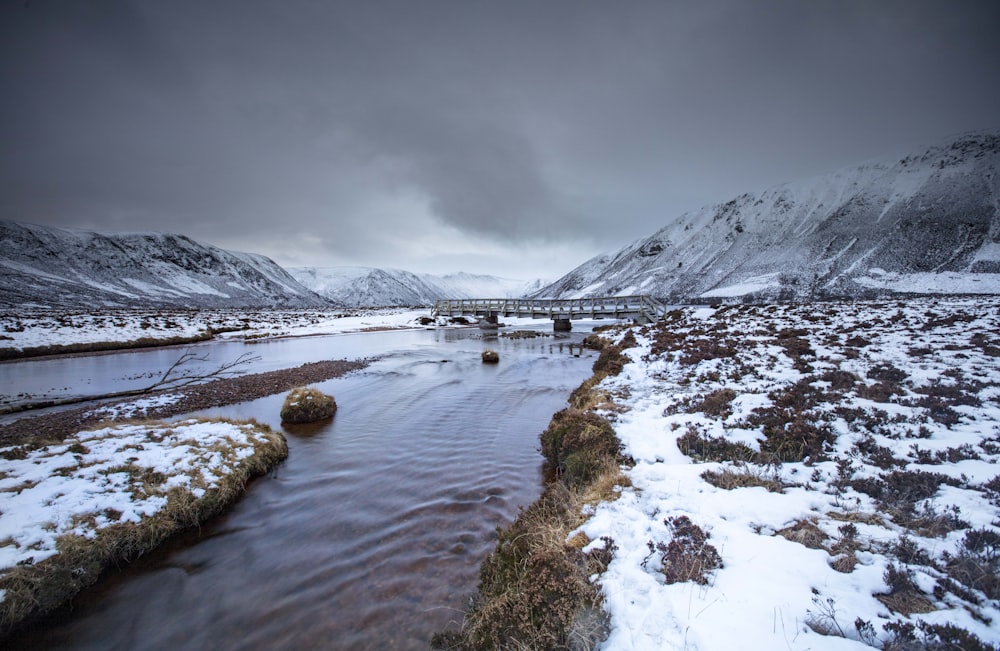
(804, 532)
(35, 589)
(534, 589)
(490, 356)
(745, 476)
(307, 405)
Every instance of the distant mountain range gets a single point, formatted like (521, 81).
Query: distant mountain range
(366, 286)
(67, 268)
(926, 223)
(923, 224)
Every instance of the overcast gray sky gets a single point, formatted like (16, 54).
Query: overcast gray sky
(517, 138)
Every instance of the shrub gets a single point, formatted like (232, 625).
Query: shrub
(307, 405)
(745, 477)
(688, 556)
(977, 564)
(707, 448)
(490, 356)
(931, 637)
(904, 596)
(718, 403)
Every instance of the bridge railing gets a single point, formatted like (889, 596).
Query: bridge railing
(641, 307)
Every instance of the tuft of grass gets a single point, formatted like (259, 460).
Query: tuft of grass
(745, 476)
(804, 532)
(904, 596)
(577, 446)
(307, 405)
(490, 356)
(701, 447)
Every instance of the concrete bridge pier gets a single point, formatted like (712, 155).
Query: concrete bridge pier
(561, 324)
(489, 321)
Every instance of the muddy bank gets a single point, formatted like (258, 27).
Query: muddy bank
(58, 425)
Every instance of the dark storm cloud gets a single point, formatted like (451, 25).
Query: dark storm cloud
(519, 122)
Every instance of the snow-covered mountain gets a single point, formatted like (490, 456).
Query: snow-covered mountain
(55, 267)
(926, 223)
(367, 286)
(465, 285)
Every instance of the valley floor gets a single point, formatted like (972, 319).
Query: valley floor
(51, 331)
(808, 477)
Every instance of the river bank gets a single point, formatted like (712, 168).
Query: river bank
(818, 476)
(58, 425)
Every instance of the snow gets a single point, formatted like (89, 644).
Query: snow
(31, 328)
(750, 285)
(97, 479)
(947, 282)
(73, 268)
(773, 593)
(365, 286)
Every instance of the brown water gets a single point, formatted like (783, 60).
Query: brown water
(370, 535)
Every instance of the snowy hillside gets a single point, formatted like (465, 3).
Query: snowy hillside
(367, 286)
(927, 223)
(53, 267)
(465, 285)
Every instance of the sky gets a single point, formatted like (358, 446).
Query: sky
(514, 138)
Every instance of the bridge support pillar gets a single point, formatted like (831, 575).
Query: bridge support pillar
(490, 321)
(561, 324)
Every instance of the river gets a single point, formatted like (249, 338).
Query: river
(370, 534)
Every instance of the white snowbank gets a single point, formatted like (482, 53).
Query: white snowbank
(108, 476)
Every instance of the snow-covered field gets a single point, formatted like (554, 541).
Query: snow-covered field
(809, 477)
(49, 328)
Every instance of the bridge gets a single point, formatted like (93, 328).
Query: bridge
(641, 308)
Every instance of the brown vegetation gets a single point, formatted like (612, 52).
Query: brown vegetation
(307, 405)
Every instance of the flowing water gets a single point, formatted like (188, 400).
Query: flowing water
(370, 534)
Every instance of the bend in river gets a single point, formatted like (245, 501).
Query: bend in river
(370, 535)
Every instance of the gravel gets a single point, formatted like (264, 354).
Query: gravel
(58, 425)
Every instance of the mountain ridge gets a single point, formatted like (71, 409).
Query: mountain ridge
(45, 266)
(861, 231)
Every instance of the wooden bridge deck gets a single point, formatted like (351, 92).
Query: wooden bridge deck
(641, 308)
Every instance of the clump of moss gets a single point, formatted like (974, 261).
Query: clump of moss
(490, 356)
(307, 405)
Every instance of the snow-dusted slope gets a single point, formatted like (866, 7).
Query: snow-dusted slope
(54, 267)
(927, 223)
(367, 286)
(465, 285)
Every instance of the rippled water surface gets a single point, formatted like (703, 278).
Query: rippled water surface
(370, 535)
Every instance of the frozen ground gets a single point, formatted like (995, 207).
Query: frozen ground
(809, 477)
(41, 328)
(106, 477)
(50, 328)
